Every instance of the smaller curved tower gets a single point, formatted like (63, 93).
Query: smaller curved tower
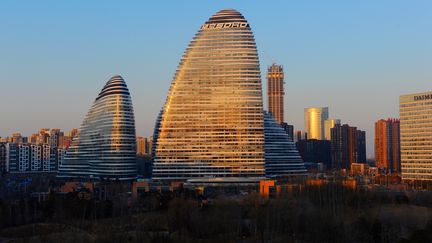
(105, 146)
(281, 155)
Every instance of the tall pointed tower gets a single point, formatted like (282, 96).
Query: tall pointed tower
(105, 146)
(212, 122)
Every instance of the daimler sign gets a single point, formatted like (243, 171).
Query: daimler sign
(225, 25)
(423, 97)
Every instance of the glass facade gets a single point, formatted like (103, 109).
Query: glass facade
(212, 122)
(416, 136)
(105, 146)
(314, 121)
(281, 155)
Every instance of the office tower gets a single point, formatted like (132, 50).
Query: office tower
(328, 125)
(275, 92)
(348, 145)
(105, 146)
(212, 123)
(416, 136)
(314, 118)
(387, 145)
(281, 155)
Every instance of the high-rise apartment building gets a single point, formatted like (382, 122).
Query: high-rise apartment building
(144, 146)
(140, 145)
(361, 146)
(105, 146)
(30, 158)
(387, 145)
(43, 136)
(314, 118)
(328, 125)
(275, 92)
(415, 112)
(55, 137)
(4, 160)
(348, 145)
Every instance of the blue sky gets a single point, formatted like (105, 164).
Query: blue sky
(356, 57)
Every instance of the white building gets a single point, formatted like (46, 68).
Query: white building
(416, 136)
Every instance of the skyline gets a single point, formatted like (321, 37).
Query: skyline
(61, 54)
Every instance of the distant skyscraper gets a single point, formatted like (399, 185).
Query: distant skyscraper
(348, 145)
(105, 146)
(275, 92)
(387, 145)
(328, 125)
(148, 146)
(141, 143)
(212, 123)
(314, 118)
(416, 136)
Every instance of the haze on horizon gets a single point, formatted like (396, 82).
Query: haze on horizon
(354, 57)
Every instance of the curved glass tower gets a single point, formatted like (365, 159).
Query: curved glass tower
(212, 120)
(281, 155)
(105, 146)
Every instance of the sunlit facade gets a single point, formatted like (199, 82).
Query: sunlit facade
(328, 125)
(314, 118)
(281, 155)
(212, 122)
(416, 136)
(105, 146)
(387, 145)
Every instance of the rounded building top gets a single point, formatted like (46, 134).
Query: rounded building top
(116, 85)
(226, 16)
